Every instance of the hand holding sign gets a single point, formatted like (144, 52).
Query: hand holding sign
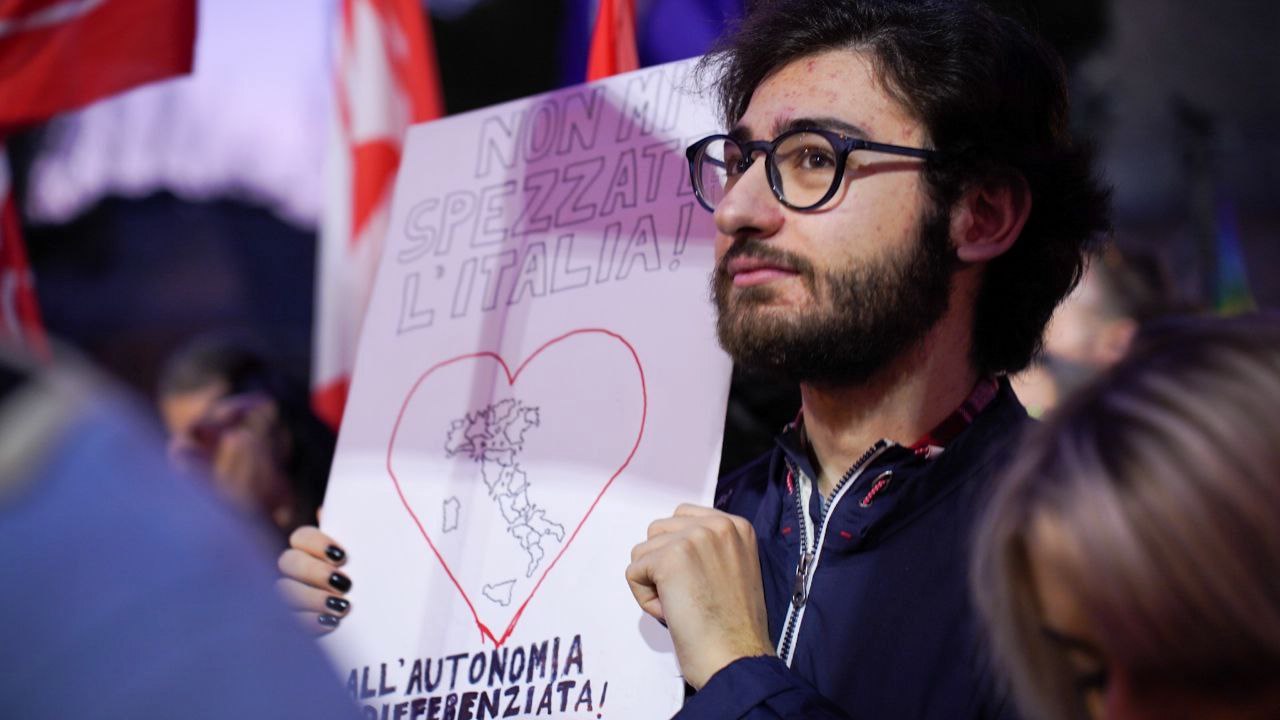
(312, 585)
(699, 572)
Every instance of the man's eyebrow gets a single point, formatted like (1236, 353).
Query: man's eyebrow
(827, 123)
(742, 133)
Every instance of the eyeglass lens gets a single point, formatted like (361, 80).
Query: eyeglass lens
(803, 168)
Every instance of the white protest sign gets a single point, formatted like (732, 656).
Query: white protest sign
(538, 380)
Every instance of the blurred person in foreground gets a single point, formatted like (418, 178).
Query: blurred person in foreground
(1129, 566)
(1092, 329)
(250, 427)
(129, 590)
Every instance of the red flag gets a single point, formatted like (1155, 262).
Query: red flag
(613, 41)
(19, 314)
(386, 80)
(58, 55)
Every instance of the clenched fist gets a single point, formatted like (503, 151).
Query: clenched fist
(699, 573)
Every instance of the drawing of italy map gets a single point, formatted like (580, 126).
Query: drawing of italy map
(494, 437)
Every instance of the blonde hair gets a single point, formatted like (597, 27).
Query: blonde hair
(1165, 473)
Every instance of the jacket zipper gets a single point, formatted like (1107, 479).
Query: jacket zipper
(810, 553)
(804, 492)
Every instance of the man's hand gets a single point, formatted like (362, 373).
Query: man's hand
(312, 584)
(699, 572)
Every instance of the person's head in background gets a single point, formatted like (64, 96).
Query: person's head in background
(1094, 326)
(1129, 563)
(227, 407)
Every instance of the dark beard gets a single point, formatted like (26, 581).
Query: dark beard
(868, 315)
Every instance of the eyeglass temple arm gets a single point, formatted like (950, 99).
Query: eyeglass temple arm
(923, 154)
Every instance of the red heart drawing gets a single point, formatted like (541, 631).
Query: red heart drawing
(570, 408)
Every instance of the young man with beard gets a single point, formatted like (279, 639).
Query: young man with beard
(899, 208)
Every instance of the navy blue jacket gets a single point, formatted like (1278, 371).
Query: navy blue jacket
(881, 626)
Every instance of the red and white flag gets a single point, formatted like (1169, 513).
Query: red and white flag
(613, 41)
(386, 80)
(19, 313)
(58, 55)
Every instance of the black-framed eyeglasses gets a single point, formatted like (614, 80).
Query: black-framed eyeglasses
(804, 166)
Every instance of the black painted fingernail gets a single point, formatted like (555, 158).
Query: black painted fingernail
(340, 582)
(328, 620)
(336, 604)
(335, 553)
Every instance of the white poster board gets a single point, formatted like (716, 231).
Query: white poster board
(538, 380)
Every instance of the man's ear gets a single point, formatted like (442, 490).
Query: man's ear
(988, 218)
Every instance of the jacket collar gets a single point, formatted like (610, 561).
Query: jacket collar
(794, 442)
(903, 480)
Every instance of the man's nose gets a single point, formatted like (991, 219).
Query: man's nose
(749, 208)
